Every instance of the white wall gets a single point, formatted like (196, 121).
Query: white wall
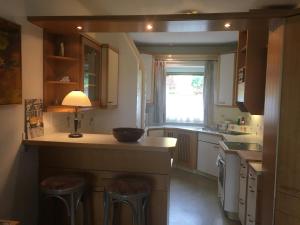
(18, 169)
(126, 113)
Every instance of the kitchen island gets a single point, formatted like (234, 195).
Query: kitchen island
(100, 158)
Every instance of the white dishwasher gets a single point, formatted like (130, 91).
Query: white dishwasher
(208, 150)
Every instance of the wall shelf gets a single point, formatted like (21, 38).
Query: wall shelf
(61, 82)
(61, 58)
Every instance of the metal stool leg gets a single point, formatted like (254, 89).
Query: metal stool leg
(106, 208)
(72, 210)
(145, 213)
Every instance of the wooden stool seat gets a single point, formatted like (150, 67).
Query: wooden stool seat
(129, 186)
(133, 191)
(70, 190)
(62, 184)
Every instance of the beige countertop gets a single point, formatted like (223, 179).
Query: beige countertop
(103, 141)
(257, 167)
(228, 137)
(250, 155)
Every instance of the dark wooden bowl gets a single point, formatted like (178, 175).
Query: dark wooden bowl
(128, 134)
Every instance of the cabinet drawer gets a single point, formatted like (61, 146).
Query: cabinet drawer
(243, 168)
(242, 211)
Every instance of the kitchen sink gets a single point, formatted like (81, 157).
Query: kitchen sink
(243, 146)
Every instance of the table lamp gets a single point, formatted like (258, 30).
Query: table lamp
(76, 99)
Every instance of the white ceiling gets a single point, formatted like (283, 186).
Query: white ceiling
(156, 38)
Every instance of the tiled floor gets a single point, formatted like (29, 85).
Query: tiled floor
(194, 201)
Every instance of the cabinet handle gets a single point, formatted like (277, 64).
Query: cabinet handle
(242, 176)
(109, 102)
(251, 221)
(251, 189)
(242, 202)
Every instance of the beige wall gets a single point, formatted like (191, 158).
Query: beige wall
(18, 168)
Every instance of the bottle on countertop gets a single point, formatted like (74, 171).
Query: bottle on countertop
(242, 121)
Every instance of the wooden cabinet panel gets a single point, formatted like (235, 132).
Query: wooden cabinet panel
(62, 70)
(156, 132)
(226, 81)
(186, 148)
(251, 67)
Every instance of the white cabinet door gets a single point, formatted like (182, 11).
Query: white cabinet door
(113, 77)
(207, 157)
(225, 90)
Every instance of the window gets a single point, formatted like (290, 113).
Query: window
(184, 98)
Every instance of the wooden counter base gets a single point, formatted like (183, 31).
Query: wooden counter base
(100, 165)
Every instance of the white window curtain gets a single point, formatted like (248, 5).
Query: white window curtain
(210, 75)
(159, 110)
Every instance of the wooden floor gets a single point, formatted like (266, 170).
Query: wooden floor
(194, 201)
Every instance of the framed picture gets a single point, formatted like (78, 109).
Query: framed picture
(10, 63)
(34, 125)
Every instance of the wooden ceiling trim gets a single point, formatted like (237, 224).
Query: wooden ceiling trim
(161, 23)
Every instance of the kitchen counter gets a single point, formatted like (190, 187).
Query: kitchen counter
(257, 167)
(105, 141)
(250, 155)
(100, 158)
(238, 138)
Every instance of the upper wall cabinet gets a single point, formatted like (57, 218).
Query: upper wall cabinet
(109, 76)
(90, 81)
(148, 67)
(62, 69)
(226, 80)
(251, 67)
(77, 62)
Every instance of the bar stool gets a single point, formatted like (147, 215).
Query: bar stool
(70, 189)
(132, 191)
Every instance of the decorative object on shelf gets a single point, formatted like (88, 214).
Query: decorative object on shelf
(10, 63)
(61, 49)
(76, 99)
(128, 134)
(65, 79)
(34, 126)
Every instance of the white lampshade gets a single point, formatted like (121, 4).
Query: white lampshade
(76, 98)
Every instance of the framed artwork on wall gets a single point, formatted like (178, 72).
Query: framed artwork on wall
(10, 63)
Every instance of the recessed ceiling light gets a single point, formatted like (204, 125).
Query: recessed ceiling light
(169, 56)
(149, 26)
(79, 27)
(227, 25)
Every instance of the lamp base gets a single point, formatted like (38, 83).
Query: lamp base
(75, 135)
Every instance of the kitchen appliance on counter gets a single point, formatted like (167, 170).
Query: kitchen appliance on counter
(229, 172)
